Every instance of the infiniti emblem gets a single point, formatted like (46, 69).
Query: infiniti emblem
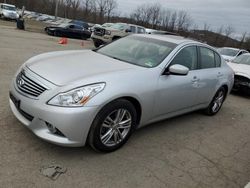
(20, 82)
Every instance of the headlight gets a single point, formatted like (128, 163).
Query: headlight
(107, 32)
(77, 97)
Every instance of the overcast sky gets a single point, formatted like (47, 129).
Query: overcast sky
(213, 12)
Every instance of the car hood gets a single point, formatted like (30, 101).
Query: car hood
(8, 12)
(240, 69)
(229, 58)
(64, 67)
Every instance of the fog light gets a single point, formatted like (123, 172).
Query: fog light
(51, 128)
(54, 130)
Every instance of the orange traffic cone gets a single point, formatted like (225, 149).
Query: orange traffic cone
(63, 41)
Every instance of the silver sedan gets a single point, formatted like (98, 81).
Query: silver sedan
(101, 96)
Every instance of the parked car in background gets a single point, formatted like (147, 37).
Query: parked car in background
(101, 96)
(241, 67)
(44, 18)
(8, 11)
(103, 35)
(68, 30)
(103, 26)
(230, 54)
(80, 23)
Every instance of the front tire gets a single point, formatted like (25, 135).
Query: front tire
(97, 43)
(217, 102)
(112, 126)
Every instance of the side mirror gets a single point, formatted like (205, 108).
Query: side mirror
(178, 70)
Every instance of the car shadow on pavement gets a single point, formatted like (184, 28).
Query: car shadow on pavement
(179, 125)
(241, 93)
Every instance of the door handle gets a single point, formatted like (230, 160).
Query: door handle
(219, 74)
(195, 79)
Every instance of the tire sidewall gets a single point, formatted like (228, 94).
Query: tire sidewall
(209, 110)
(94, 135)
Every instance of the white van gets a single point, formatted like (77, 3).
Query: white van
(8, 11)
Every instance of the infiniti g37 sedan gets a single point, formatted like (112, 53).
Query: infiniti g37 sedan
(99, 97)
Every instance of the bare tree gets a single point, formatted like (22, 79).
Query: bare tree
(166, 17)
(142, 15)
(219, 34)
(87, 7)
(67, 6)
(206, 27)
(184, 21)
(111, 5)
(75, 5)
(154, 10)
(173, 21)
(102, 8)
(243, 38)
(229, 30)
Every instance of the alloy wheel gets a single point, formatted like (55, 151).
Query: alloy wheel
(115, 127)
(218, 101)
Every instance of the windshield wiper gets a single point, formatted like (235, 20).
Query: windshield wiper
(121, 59)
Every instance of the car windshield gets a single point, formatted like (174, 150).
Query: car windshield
(138, 50)
(243, 59)
(107, 25)
(118, 26)
(6, 7)
(228, 51)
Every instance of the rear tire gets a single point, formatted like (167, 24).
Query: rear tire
(112, 126)
(216, 103)
(97, 44)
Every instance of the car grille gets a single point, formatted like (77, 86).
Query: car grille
(99, 31)
(28, 86)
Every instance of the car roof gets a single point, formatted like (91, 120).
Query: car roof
(168, 38)
(231, 48)
(8, 5)
(129, 24)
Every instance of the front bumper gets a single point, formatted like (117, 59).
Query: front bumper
(10, 16)
(105, 38)
(241, 82)
(73, 123)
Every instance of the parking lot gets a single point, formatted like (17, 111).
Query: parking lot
(193, 150)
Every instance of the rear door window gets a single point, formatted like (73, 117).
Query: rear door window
(207, 58)
(217, 60)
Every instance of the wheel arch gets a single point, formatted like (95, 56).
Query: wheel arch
(137, 106)
(115, 38)
(133, 100)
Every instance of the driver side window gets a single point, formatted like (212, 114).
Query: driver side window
(186, 57)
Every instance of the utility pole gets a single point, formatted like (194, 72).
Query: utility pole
(56, 11)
